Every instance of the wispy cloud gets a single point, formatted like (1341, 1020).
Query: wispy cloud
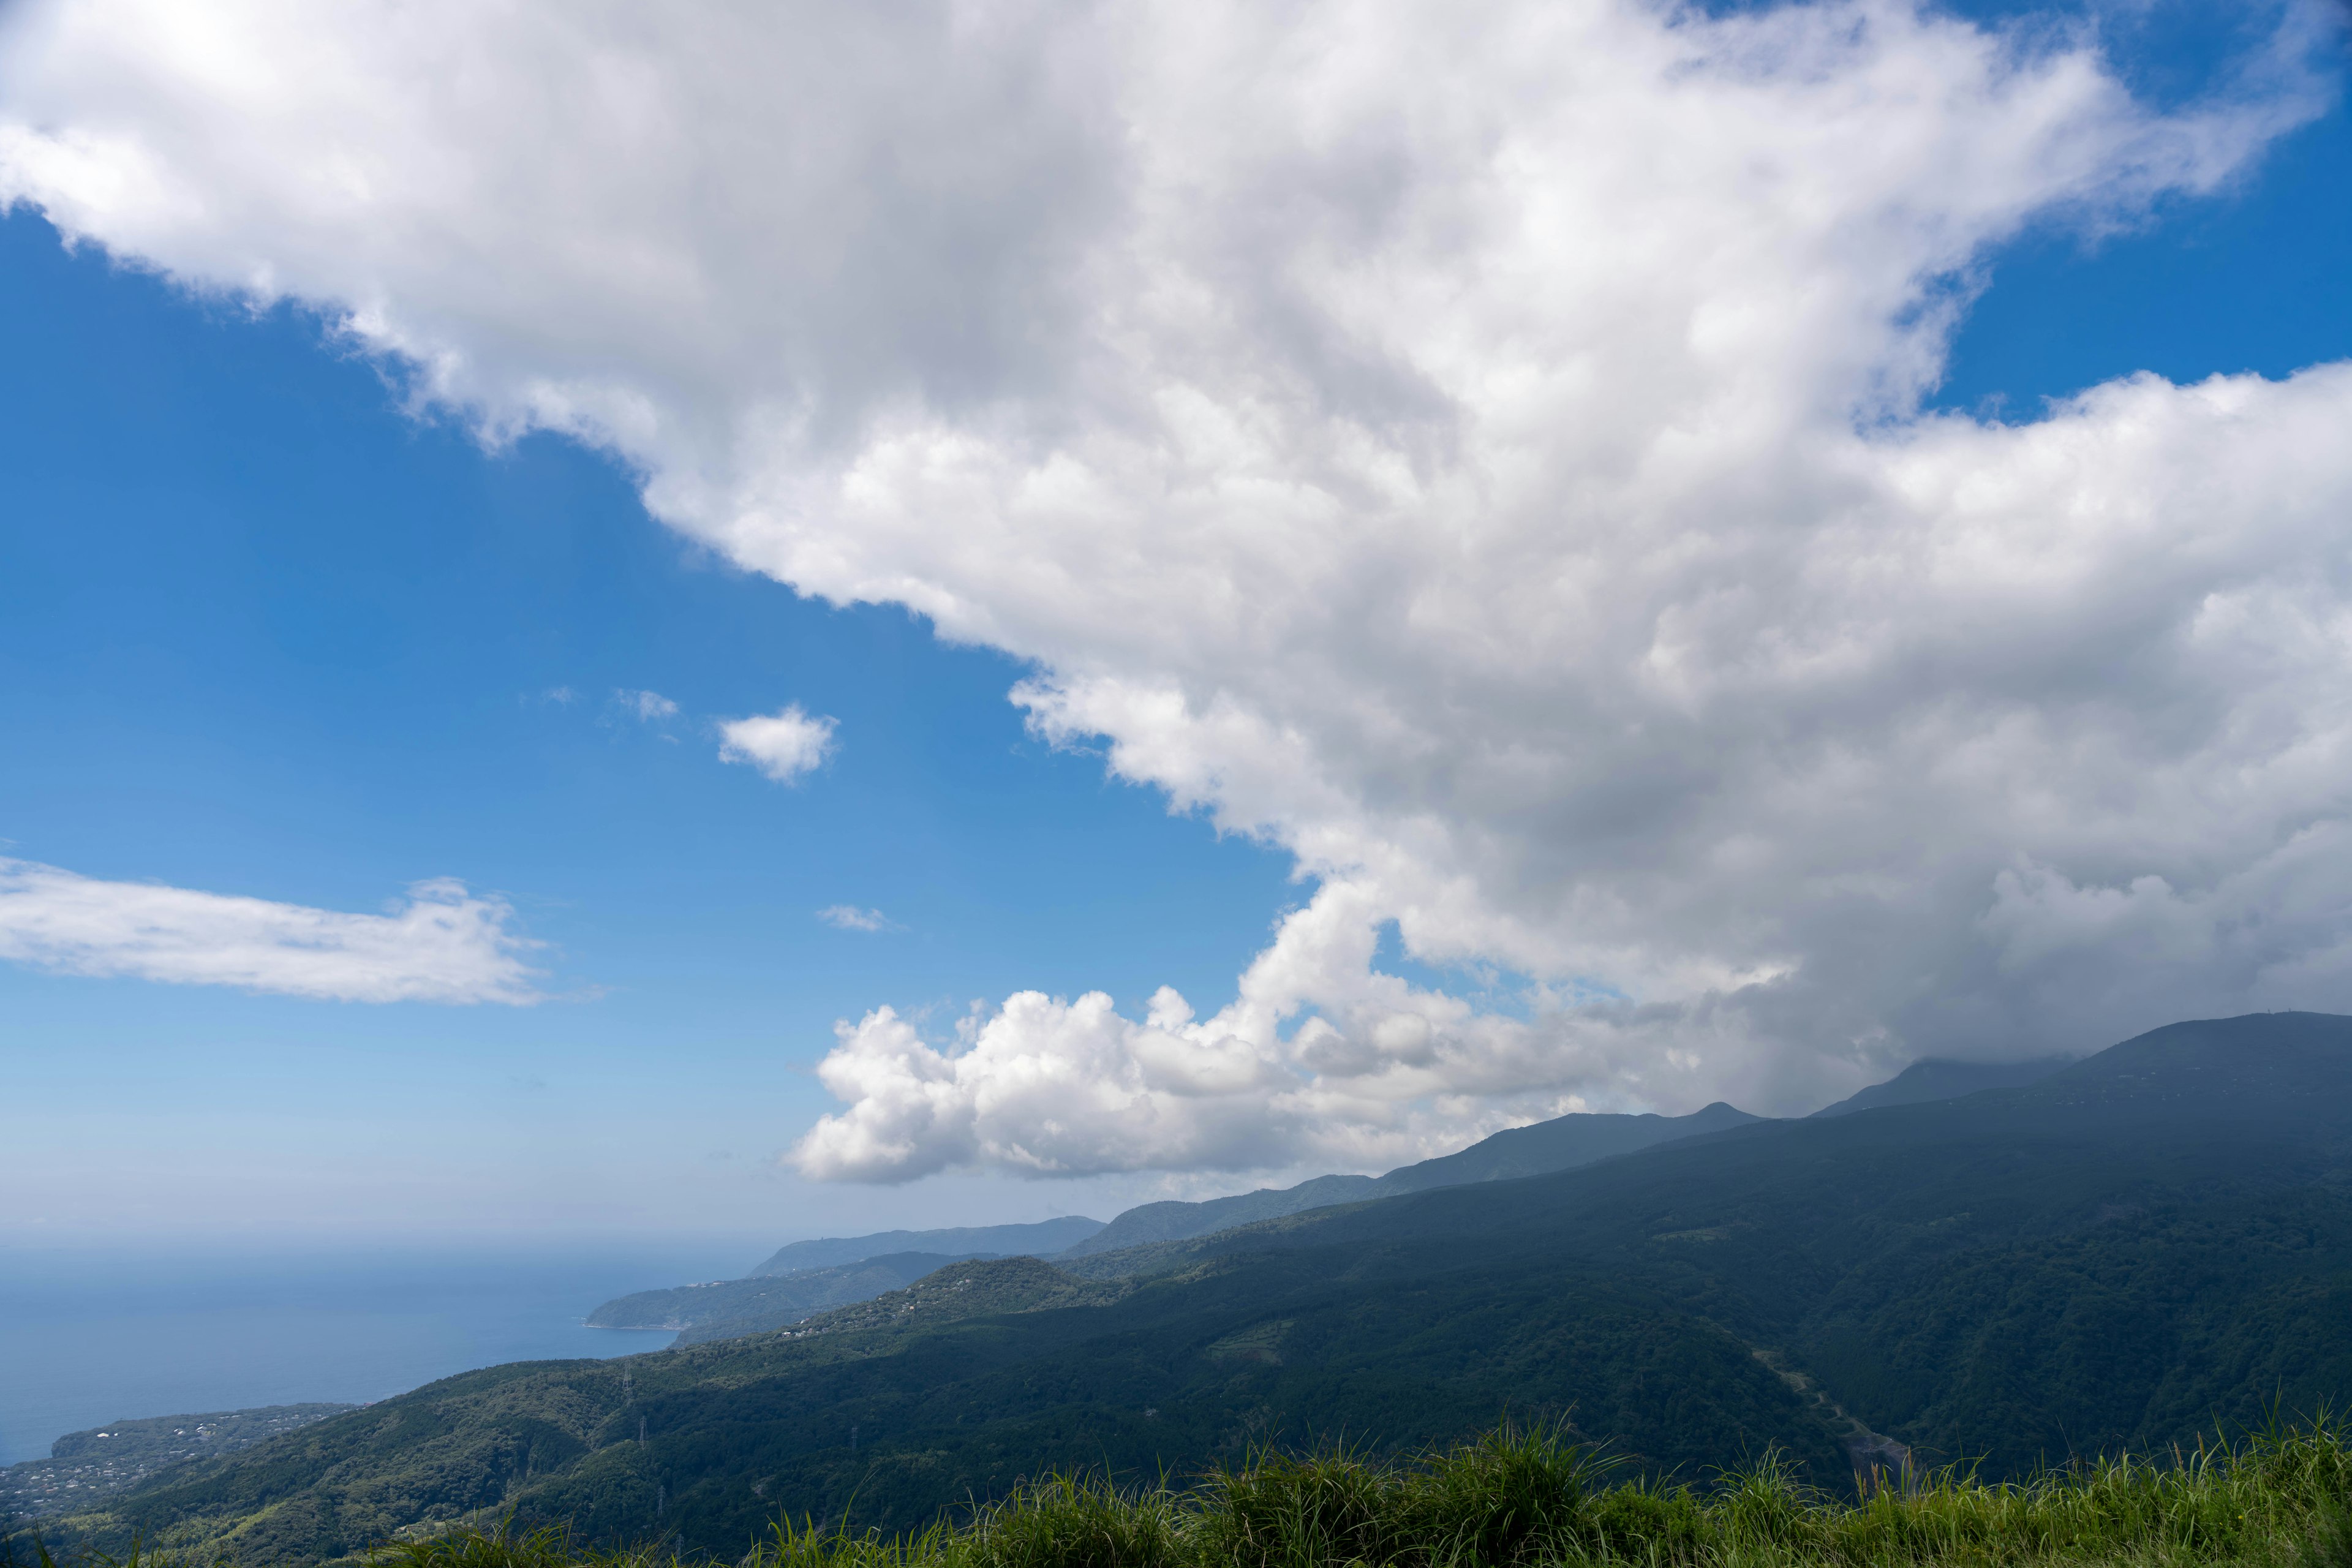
(441, 944)
(849, 917)
(648, 707)
(785, 746)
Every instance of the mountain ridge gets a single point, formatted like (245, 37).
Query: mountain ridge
(789, 1286)
(1560, 1143)
(1035, 1238)
(1935, 1078)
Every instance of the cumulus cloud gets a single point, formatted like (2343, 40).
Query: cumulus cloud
(1041, 1088)
(441, 944)
(1477, 450)
(849, 917)
(782, 745)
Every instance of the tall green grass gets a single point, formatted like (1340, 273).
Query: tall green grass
(2281, 1498)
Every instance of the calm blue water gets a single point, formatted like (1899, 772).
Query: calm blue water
(89, 1338)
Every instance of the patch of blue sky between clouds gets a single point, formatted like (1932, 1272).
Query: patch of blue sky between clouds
(265, 632)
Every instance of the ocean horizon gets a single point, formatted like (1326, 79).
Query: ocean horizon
(90, 1335)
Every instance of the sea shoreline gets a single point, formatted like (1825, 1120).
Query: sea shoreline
(91, 1336)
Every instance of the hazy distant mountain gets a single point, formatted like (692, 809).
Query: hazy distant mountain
(1560, 1144)
(1933, 1080)
(728, 1309)
(1038, 1240)
(1175, 1221)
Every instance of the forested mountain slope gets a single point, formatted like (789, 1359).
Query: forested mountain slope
(2153, 1239)
(905, 1412)
(1560, 1144)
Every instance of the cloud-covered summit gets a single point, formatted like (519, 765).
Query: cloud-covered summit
(1475, 448)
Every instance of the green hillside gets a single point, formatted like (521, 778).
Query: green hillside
(959, 1390)
(1520, 1500)
(2122, 1255)
(84, 1465)
(730, 1308)
(1516, 1499)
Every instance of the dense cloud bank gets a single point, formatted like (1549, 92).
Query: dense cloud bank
(1476, 448)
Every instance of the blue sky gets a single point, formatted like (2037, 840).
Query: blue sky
(275, 623)
(265, 634)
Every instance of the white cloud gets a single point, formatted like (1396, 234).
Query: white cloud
(439, 945)
(849, 917)
(782, 745)
(646, 707)
(1476, 450)
(1041, 1088)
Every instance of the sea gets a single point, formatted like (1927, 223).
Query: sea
(92, 1335)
